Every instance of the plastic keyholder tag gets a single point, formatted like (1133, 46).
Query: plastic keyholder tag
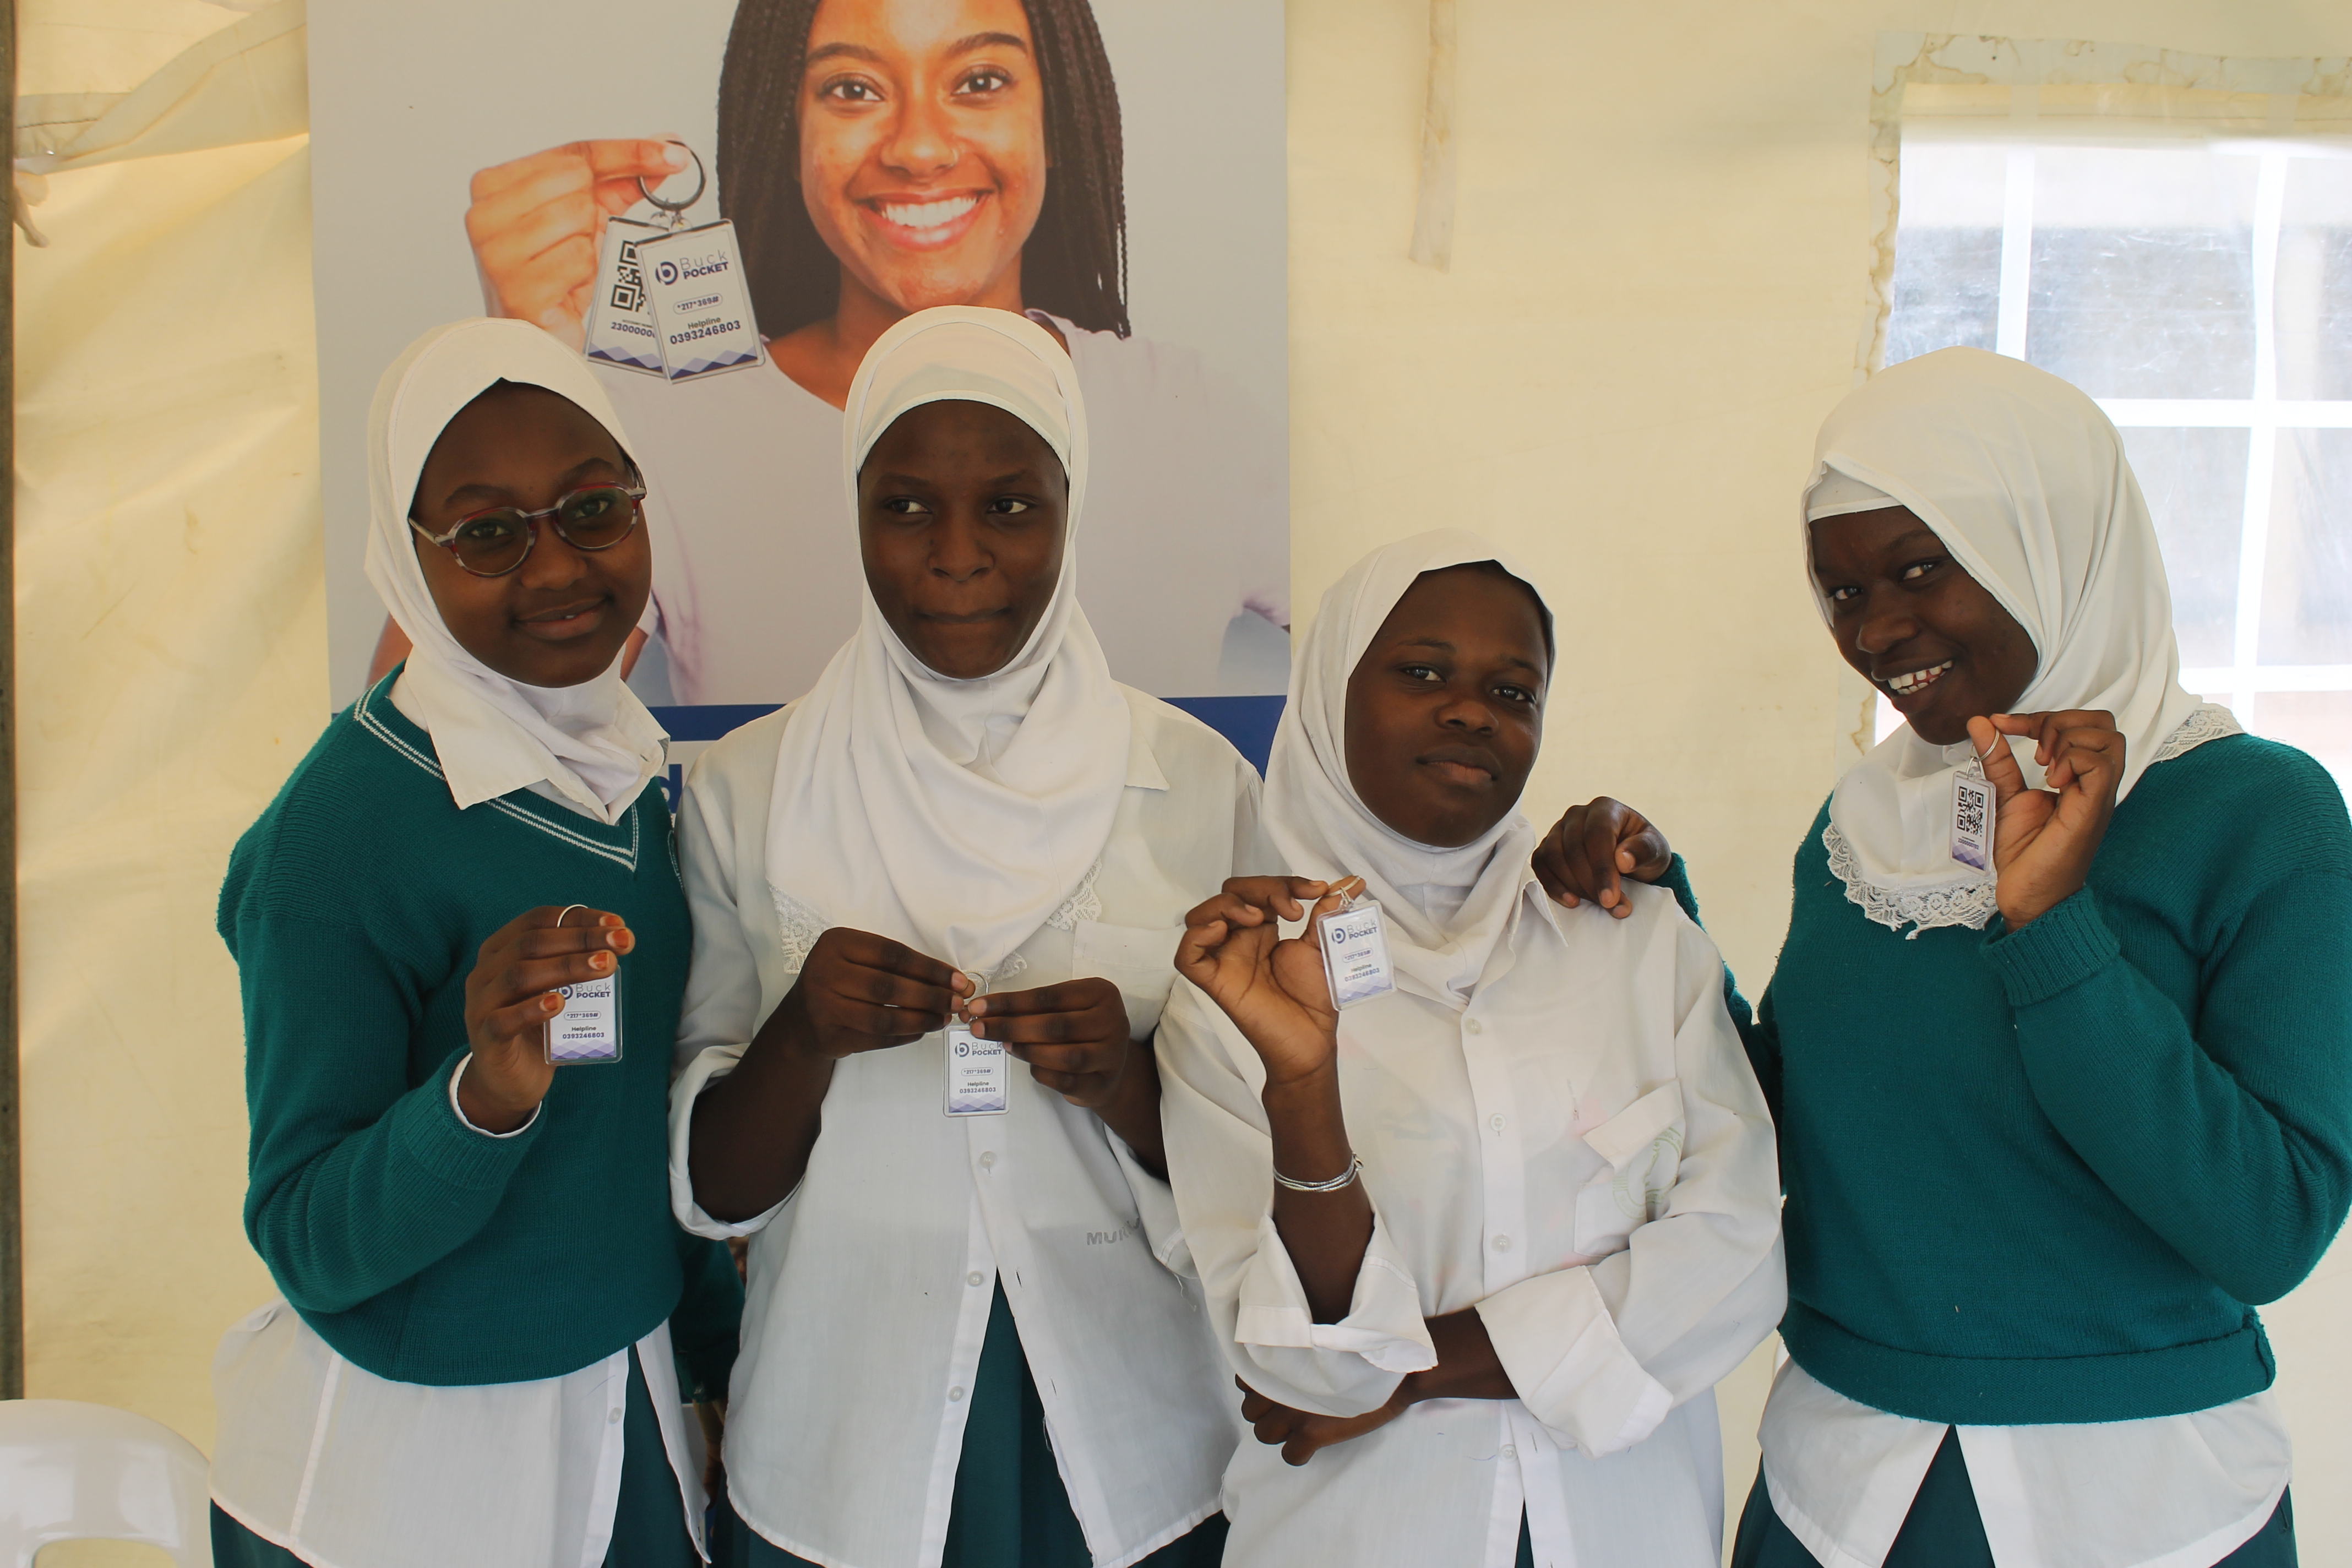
(620, 319)
(589, 1027)
(1355, 946)
(979, 1074)
(701, 308)
(1973, 812)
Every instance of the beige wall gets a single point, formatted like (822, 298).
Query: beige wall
(1657, 291)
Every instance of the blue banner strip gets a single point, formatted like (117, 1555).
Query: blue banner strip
(1247, 721)
(710, 721)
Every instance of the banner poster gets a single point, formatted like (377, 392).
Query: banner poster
(720, 202)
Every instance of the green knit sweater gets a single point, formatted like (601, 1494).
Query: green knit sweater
(422, 1249)
(2039, 1176)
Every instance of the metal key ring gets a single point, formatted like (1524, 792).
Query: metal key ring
(565, 910)
(701, 184)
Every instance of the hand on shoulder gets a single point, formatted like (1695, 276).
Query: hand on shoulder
(1593, 847)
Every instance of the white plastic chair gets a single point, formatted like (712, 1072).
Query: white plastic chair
(70, 1472)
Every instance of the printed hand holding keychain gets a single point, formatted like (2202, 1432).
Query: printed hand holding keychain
(671, 299)
(979, 1073)
(1355, 945)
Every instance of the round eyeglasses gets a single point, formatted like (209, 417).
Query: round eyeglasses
(494, 541)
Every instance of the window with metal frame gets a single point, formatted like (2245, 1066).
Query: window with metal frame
(2202, 293)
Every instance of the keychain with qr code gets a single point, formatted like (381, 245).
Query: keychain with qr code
(671, 299)
(979, 1073)
(1355, 946)
(1973, 812)
(620, 329)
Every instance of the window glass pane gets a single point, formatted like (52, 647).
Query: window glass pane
(2307, 570)
(2319, 722)
(2195, 481)
(1947, 249)
(2143, 271)
(2314, 279)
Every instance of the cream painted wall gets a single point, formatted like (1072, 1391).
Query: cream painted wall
(1656, 288)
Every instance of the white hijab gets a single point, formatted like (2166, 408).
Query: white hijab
(2026, 483)
(1320, 826)
(953, 816)
(594, 744)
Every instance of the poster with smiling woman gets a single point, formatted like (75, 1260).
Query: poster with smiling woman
(1112, 168)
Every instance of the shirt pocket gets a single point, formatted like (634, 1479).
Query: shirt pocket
(1140, 960)
(1644, 1146)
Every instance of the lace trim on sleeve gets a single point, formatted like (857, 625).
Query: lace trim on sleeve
(1969, 904)
(2209, 722)
(798, 927)
(1084, 904)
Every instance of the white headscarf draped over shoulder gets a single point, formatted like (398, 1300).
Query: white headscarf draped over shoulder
(2026, 482)
(594, 743)
(953, 816)
(1445, 910)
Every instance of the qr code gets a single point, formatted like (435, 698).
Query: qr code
(1969, 815)
(628, 280)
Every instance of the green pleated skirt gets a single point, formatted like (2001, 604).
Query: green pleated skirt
(648, 1522)
(1010, 1510)
(1944, 1531)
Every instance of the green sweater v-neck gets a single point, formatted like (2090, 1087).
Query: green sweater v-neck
(422, 1249)
(2044, 1174)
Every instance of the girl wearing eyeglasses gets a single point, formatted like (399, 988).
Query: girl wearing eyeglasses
(468, 881)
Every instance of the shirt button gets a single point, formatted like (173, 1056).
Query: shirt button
(1502, 1244)
(954, 1395)
(611, 1418)
(1473, 1024)
(1509, 1451)
(1495, 1121)
(974, 1277)
(987, 1160)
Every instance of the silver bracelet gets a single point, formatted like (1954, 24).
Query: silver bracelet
(1333, 1185)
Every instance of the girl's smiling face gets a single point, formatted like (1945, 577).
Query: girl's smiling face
(1445, 708)
(922, 146)
(1913, 621)
(562, 617)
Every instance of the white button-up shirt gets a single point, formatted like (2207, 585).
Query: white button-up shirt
(871, 1285)
(1582, 1155)
(339, 1466)
(2170, 1491)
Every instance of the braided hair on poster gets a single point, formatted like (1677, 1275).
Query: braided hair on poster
(1075, 262)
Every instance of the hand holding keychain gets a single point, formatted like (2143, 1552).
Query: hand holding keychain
(1282, 993)
(588, 1029)
(2048, 837)
(980, 1074)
